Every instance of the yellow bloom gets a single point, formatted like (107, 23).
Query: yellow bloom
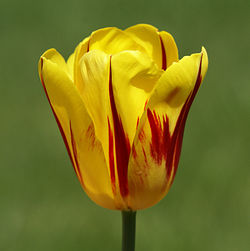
(121, 101)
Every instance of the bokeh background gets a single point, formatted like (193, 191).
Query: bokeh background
(42, 206)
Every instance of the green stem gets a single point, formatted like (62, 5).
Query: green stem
(128, 230)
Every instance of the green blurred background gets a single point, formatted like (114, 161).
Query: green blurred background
(42, 206)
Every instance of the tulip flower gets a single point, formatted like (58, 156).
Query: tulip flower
(121, 101)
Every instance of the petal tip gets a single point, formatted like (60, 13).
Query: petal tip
(49, 53)
(204, 59)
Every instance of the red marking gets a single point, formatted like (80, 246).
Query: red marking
(122, 144)
(74, 148)
(111, 159)
(156, 129)
(137, 122)
(88, 45)
(57, 120)
(90, 134)
(160, 136)
(178, 150)
(145, 104)
(163, 53)
(90, 131)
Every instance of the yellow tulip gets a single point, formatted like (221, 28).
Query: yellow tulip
(121, 102)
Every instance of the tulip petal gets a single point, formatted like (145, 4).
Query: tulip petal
(112, 40)
(95, 73)
(77, 129)
(157, 145)
(160, 46)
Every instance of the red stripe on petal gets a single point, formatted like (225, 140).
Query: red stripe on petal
(88, 46)
(137, 122)
(155, 125)
(90, 135)
(111, 159)
(164, 57)
(160, 136)
(122, 144)
(145, 104)
(74, 148)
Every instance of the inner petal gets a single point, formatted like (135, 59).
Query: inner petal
(112, 40)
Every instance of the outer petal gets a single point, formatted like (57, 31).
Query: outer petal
(160, 46)
(95, 77)
(156, 148)
(76, 128)
(112, 40)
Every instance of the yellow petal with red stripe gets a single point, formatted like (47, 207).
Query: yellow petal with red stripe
(170, 48)
(156, 148)
(77, 129)
(95, 79)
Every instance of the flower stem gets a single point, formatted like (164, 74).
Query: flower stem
(128, 230)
